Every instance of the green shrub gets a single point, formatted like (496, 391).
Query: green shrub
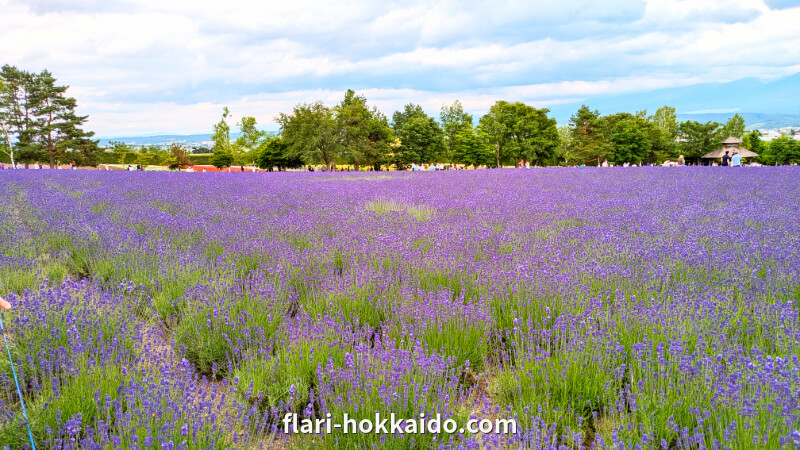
(222, 324)
(270, 381)
(201, 159)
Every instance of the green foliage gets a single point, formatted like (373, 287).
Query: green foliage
(178, 158)
(559, 388)
(6, 146)
(224, 153)
(270, 380)
(245, 146)
(734, 127)
(275, 153)
(520, 133)
(38, 116)
(201, 159)
(365, 132)
(783, 150)
(454, 121)
(312, 134)
(207, 337)
(661, 134)
(250, 135)
(588, 145)
(221, 159)
(563, 153)
(168, 300)
(222, 134)
(700, 138)
(492, 129)
(470, 149)
(359, 307)
(373, 397)
(630, 142)
(458, 338)
(382, 207)
(400, 118)
(666, 120)
(621, 137)
(531, 134)
(77, 396)
(421, 138)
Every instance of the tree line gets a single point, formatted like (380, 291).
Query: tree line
(38, 122)
(353, 133)
(356, 134)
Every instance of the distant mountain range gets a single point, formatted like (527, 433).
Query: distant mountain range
(753, 121)
(185, 139)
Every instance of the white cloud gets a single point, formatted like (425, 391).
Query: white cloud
(137, 118)
(179, 61)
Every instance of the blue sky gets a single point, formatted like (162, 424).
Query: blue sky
(140, 67)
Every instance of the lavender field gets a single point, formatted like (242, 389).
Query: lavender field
(600, 308)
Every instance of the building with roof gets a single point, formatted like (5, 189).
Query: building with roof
(730, 145)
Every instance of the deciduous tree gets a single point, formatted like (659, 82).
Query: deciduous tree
(222, 150)
(699, 138)
(733, 127)
(312, 134)
(365, 132)
(528, 133)
(471, 149)
(178, 158)
(274, 152)
(492, 128)
(421, 138)
(454, 120)
(244, 148)
(630, 142)
(221, 159)
(783, 150)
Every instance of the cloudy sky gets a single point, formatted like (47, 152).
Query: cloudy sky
(143, 67)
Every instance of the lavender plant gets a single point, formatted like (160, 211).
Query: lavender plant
(600, 308)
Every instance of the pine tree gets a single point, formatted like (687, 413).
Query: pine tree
(42, 119)
(57, 125)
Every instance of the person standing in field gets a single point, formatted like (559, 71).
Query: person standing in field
(725, 159)
(736, 161)
(681, 161)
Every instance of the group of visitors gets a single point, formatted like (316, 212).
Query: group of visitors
(426, 167)
(36, 166)
(732, 161)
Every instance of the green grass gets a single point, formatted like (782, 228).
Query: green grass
(383, 206)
